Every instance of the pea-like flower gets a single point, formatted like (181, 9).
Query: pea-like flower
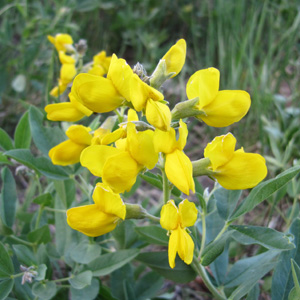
(101, 64)
(101, 217)
(61, 41)
(178, 166)
(234, 170)
(80, 137)
(176, 220)
(216, 108)
(120, 166)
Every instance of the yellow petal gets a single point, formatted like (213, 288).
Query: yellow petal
(58, 90)
(175, 57)
(183, 133)
(228, 107)
(140, 146)
(120, 74)
(205, 85)
(120, 172)
(97, 70)
(140, 92)
(67, 73)
(173, 247)
(79, 134)
(90, 220)
(65, 111)
(96, 93)
(164, 141)
(94, 157)
(220, 150)
(66, 59)
(132, 115)
(179, 171)
(188, 213)
(158, 115)
(113, 136)
(98, 135)
(79, 106)
(185, 246)
(108, 201)
(169, 216)
(66, 153)
(243, 171)
(60, 41)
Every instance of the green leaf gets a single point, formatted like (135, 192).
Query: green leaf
(4, 160)
(226, 201)
(265, 190)
(153, 235)
(296, 276)
(81, 280)
(45, 291)
(158, 261)
(254, 293)
(107, 263)
(25, 255)
(8, 198)
(152, 179)
(246, 272)
(266, 237)
(5, 141)
(282, 281)
(4, 230)
(41, 165)
(41, 272)
(44, 138)
(148, 286)
(125, 234)
(85, 252)
(40, 236)
(66, 191)
(88, 293)
(214, 249)
(44, 199)
(5, 288)
(22, 133)
(294, 295)
(6, 266)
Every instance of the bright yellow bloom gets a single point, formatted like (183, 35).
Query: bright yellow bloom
(65, 111)
(216, 108)
(178, 166)
(175, 58)
(176, 220)
(143, 96)
(80, 137)
(234, 170)
(61, 41)
(101, 64)
(101, 217)
(120, 166)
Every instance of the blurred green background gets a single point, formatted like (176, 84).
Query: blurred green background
(255, 44)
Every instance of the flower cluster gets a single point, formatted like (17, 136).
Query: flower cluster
(109, 84)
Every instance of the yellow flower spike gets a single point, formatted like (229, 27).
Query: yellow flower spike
(79, 134)
(66, 59)
(176, 221)
(99, 218)
(140, 146)
(178, 166)
(216, 108)
(67, 73)
(175, 58)
(234, 170)
(61, 41)
(96, 93)
(158, 115)
(65, 111)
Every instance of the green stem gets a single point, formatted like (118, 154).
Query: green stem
(222, 231)
(200, 270)
(63, 279)
(17, 275)
(22, 241)
(55, 209)
(203, 235)
(85, 187)
(166, 184)
(38, 218)
(151, 217)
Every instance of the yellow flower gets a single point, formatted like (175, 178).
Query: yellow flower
(216, 108)
(143, 96)
(176, 220)
(178, 166)
(101, 217)
(175, 58)
(234, 170)
(61, 41)
(68, 152)
(120, 166)
(100, 94)
(101, 64)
